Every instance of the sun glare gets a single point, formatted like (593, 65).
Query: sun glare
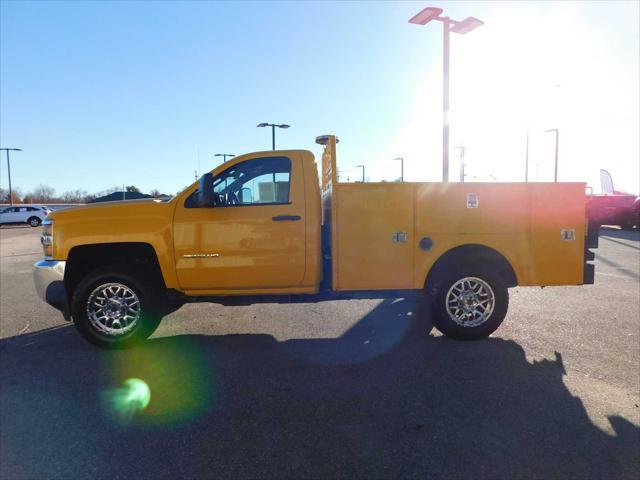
(529, 69)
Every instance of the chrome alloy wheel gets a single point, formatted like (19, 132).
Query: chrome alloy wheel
(113, 309)
(470, 302)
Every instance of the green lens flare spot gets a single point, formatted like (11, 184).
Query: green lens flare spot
(178, 370)
(125, 402)
(139, 393)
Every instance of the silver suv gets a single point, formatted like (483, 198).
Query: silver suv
(24, 214)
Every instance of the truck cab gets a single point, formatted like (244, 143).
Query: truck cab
(256, 231)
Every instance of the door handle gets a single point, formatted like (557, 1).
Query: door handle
(286, 218)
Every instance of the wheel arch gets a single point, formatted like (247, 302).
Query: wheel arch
(474, 254)
(83, 259)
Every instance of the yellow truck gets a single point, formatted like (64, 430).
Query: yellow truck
(265, 224)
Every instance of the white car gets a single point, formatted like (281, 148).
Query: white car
(24, 214)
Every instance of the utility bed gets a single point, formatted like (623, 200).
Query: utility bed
(388, 235)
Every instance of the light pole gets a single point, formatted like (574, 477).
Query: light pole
(557, 132)
(401, 168)
(462, 165)
(273, 131)
(526, 158)
(361, 166)
(462, 27)
(224, 156)
(9, 170)
(526, 155)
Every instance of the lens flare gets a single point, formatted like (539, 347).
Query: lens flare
(179, 370)
(133, 397)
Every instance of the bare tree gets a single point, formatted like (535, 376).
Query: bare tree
(132, 188)
(42, 194)
(74, 196)
(16, 193)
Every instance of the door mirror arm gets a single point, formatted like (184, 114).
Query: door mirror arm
(205, 191)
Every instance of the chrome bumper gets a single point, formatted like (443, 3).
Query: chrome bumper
(48, 275)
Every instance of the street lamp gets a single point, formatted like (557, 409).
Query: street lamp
(526, 155)
(9, 170)
(526, 158)
(224, 156)
(401, 168)
(361, 166)
(557, 132)
(462, 27)
(462, 149)
(273, 131)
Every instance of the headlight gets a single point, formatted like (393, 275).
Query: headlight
(47, 239)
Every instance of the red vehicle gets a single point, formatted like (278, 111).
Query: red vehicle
(612, 207)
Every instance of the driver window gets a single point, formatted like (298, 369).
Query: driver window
(260, 181)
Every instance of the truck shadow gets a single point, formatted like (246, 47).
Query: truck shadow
(609, 233)
(633, 274)
(383, 400)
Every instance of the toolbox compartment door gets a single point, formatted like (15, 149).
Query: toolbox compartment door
(375, 235)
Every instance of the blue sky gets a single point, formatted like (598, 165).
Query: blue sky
(100, 94)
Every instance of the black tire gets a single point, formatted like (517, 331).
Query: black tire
(150, 302)
(438, 291)
(34, 221)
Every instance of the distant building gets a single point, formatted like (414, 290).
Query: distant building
(116, 196)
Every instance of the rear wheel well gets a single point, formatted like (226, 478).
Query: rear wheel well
(87, 258)
(473, 254)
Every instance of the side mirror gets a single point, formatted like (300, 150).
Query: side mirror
(205, 190)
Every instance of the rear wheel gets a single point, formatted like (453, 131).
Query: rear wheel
(468, 303)
(114, 308)
(34, 221)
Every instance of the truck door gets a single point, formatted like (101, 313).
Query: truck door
(254, 235)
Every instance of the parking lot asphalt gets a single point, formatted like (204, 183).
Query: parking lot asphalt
(344, 388)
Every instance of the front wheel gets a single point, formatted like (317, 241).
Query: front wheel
(468, 303)
(114, 308)
(34, 221)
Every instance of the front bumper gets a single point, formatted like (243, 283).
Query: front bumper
(48, 276)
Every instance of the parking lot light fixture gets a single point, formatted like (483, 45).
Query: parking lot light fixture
(465, 26)
(9, 170)
(224, 156)
(273, 131)
(426, 15)
(461, 27)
